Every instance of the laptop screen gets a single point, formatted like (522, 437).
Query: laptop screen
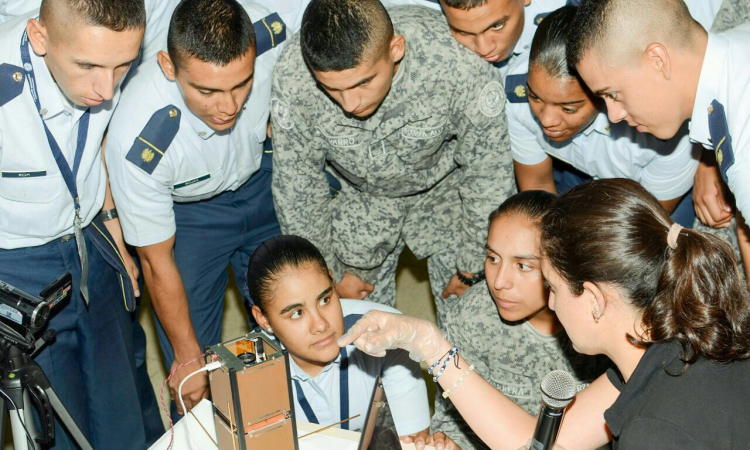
(379, 431)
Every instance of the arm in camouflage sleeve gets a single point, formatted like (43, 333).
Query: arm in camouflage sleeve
(460, 332)
(485, 158)
(300, 189)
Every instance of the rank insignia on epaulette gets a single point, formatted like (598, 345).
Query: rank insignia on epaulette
(539, 17)
(11, 82)
(515, 88)
(270, 32)
(720, 137)
(149, 147)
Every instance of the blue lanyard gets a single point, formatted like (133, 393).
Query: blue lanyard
(68, 175)
(83, 128)
(343, 394)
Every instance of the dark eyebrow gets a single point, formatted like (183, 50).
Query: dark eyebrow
(574, 102)
(325, 293)
(528, 257)
(497, 23)
(204, 88)
(487, 247)
(601, 92)
(358, 83)
(291, 307)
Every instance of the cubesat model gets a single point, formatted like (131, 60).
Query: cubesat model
(252, 395)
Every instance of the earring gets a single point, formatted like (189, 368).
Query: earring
(269, 330)
(595, 316)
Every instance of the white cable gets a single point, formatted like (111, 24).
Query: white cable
(207, 368)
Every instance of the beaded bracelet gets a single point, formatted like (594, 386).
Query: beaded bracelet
(457, 383)
(437, 361)
(452, 353)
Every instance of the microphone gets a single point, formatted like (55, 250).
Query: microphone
(558, 390)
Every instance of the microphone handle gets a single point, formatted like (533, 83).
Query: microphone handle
(547, 427)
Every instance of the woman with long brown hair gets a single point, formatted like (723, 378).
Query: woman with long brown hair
(668, 305)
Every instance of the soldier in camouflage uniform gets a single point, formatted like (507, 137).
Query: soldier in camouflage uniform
(731, 14)
(424, 169)
(506, 329)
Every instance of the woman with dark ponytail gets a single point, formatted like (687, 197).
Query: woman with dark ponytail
(666, 304)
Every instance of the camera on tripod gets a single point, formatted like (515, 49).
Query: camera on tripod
(22, 314)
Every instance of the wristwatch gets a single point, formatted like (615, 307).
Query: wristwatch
(479, 276)
(108, 214)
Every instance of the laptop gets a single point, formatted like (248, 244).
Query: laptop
(379, 431)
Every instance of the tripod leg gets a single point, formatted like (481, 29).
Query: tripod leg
(3, 418)
(25, 414)
(68, 421)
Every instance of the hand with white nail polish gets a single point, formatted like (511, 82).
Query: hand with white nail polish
(442, 442)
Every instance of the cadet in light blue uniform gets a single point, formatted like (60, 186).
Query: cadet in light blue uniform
(296, 300)
(52, 186)
(188, 170)
(551, 115)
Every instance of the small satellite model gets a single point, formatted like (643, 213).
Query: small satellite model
(252, 395)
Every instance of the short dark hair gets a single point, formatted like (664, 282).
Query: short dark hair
(532, 205)
(464, 4)
(273, 258)
(115, 15)
(341, 34)
(214, 31)
(597, 22)
(548, 49)
(586, 29)
(613, 231)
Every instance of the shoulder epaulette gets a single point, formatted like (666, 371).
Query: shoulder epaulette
(270, 32)
(720, 138)
(11, 82)
(333, 183)
(515, 88)
(149, 147)
(539, 17)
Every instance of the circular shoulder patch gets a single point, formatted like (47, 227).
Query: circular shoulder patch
(492, 99)
(281, 114)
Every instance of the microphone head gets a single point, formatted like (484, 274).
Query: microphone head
(558, 389)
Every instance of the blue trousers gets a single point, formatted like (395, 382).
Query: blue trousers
(567, 176)
(90, 364)
(211, 235)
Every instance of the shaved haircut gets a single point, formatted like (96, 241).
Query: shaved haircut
(339, 35)
(623, 29)
(115, 15)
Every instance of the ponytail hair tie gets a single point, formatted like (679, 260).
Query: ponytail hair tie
(674, 232)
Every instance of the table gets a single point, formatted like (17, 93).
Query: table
(197, 431)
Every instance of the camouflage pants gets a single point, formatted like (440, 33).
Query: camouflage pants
(440, 266)
(728, 234)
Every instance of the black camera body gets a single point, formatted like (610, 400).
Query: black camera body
(23, 314)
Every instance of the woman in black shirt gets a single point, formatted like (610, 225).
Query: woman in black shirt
(667, 305)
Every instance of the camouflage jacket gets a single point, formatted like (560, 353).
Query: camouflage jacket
(731, 14)
(429, 166)
(513, 358)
